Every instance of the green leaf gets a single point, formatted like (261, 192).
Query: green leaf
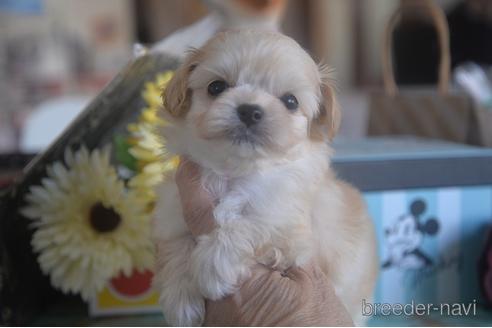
(123, 155)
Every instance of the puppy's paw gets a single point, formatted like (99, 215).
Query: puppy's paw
(220, 280)
(303, 258)
(216, 290)
(218, 265)
(189, 311)
(272, 257)
(301, 251)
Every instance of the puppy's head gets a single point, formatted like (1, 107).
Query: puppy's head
(248, 95)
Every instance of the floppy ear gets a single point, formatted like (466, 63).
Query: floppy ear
(176, 97)
(327, 122)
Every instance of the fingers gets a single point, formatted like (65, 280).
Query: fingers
(273, 298)
(309, 277)
(325, 308)
(295, 275)
(187, 174)
(300, 274)
(196, 203)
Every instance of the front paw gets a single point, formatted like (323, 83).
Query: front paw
(188, 311)
(220, 280)
(216, 289)
(303, 257)
(218, 265)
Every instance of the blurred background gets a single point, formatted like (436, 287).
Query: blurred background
(56, 55)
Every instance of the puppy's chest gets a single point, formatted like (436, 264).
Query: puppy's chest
(269, 198)
(275, 209)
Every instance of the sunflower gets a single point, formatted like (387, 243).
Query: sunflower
(88, 226)
(153, 162)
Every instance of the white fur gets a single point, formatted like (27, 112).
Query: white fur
(278, 202)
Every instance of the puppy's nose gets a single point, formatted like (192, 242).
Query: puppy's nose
(249, 114)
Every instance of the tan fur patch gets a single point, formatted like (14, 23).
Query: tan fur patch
(262, 6)
(326, 124)
(177, 96)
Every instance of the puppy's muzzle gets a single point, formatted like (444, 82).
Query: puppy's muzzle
(249, 114)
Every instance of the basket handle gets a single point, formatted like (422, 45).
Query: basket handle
(439, 21)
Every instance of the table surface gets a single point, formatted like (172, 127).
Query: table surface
(402, 147)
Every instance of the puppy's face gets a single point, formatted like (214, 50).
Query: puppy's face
(249, 95)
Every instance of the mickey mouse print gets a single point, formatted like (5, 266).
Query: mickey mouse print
(404, 238)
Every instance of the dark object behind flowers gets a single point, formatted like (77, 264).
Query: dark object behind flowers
(485, 270)
(24, 290)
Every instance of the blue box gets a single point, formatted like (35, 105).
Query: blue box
(431, 203)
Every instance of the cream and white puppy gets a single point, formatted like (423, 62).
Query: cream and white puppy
(256, 113)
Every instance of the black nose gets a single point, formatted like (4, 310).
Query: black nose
(249, 114)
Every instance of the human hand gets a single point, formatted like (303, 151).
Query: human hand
(297, 297)
(196, 202)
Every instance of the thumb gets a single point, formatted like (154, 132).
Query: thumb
(196, 203)
(301, 274)
(187, 174)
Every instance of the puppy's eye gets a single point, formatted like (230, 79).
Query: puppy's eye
(290, 101)
(215, 88)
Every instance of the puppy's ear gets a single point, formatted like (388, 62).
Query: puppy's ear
(327, 122)
(176, 97)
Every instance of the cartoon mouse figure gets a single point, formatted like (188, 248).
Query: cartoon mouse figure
(405, 237)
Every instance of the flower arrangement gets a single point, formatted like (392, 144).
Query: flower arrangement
(89, 227)
(151, 160)
(92, 217)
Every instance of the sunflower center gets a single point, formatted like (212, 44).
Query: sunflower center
(104, 219)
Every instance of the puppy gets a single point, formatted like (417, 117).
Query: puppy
(256, 113)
